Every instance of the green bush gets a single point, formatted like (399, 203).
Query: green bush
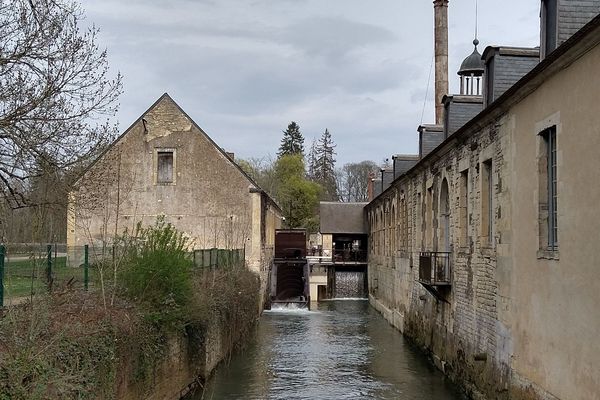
(157, 273)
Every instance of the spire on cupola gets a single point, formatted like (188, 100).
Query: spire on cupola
(471, 73)
(472, 68)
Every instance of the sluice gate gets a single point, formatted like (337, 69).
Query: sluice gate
(290, 271)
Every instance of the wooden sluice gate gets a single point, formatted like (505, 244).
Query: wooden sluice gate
(290, 270)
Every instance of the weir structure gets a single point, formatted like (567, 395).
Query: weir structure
(290, 272)
(338, 257)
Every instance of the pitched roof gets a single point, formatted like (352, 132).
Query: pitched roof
(580, 43)
(165, 96)
(342, 217)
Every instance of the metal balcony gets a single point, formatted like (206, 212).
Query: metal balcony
(435, 273)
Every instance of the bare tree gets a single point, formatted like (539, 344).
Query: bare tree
(353, 181)
(262, 170)
(56, 95)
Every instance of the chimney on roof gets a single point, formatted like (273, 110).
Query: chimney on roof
(370, 184)
(441, 57)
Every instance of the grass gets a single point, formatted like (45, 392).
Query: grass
(26, 275)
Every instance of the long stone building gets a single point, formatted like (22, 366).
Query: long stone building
(484, 251)
(165, 166)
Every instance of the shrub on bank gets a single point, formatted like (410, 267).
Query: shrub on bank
(157, 274)
(59, 347)
(70, 345)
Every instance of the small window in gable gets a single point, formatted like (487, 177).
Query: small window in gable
(165, 164)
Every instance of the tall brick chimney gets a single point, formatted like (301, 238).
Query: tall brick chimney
(441, 57)
(370, 189)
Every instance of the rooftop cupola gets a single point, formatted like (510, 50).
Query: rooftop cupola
(471, 73)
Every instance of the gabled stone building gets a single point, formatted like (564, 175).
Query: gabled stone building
(483, 252)
(164, 165)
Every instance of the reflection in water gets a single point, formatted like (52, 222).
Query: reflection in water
(342, 350)
(350, 284)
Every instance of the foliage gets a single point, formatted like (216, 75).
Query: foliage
(353, 181)
(55, 92)
(324, 167)
(286, 181)
(298, 197)
(227, 297)
(312, 161)
(292, 142)
(47, 355)
(68, 345)
(157, 273)
(289, 167)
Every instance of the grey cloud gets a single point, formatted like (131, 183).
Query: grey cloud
(333, 37)
(244, 68)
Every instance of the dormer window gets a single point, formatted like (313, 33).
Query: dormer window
(549, 31)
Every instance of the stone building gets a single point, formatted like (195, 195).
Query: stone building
(165, 165)
(339, 270)
(483, 252)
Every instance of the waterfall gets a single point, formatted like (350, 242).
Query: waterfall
(350, 284)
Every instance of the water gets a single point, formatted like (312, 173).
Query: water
(350, 284)
(342, 350)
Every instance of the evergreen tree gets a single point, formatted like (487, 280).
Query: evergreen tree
(292, 141)
(312, 161)
(324, 171)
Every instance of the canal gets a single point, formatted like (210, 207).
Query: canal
(341, 350)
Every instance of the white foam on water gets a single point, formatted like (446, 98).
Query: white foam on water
(348, 299)
(288, 308)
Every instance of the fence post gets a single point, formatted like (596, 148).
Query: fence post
(49, 266)
(2, 252)
(86, 266)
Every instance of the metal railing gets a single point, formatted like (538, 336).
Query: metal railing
(435, 268)
(348, 255)
(219, 258)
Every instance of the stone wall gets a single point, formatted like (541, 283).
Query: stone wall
(210, 199)
(515, 322)
(187, 363)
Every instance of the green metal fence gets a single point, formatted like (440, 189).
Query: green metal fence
(218, 258)
(29, 270)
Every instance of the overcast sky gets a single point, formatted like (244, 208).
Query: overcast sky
(243, 69)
